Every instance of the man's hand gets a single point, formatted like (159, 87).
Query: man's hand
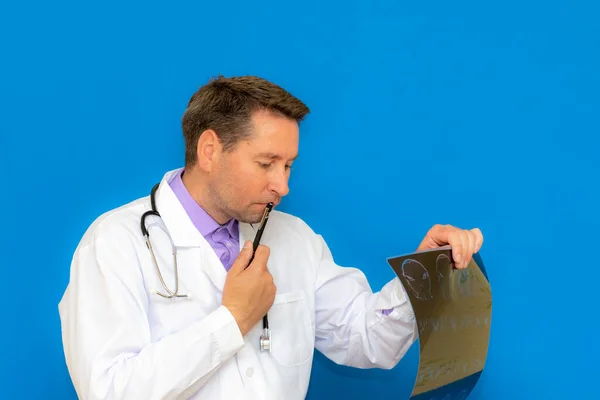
(464, 243)
(249, 293)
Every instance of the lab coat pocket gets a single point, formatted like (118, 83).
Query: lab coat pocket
(292, 340)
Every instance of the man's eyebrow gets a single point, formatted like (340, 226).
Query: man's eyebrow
(274, 156)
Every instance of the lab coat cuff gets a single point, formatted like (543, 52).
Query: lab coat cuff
(229, 337)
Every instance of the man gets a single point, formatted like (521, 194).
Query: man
(125, 334)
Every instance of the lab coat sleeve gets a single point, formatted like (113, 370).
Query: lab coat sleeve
(106, 333)
(351, 327)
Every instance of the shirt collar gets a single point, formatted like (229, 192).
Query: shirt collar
(205, 224)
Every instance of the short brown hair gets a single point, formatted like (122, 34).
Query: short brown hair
(226, 106)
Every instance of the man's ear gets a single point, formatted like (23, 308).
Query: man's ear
(208, 150)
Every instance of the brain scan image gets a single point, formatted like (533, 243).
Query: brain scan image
(417, 278)
(452, 308)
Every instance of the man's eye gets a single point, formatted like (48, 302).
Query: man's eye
(265, 166)
(288, 167)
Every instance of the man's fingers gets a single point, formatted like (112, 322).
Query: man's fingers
(464, 243)
(443, 233)
(268, 279)
(478, 239)
(458, 246)
(260, 257)
(470, 244)
(435, 237)
(470, 248)
(464, 256)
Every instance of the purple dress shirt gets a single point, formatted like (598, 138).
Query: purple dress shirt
(224, 239)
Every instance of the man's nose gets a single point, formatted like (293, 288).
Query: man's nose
(279, 184)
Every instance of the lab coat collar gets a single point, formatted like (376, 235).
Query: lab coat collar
(178, 223)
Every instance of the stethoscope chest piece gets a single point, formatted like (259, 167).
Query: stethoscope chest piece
(265, 340)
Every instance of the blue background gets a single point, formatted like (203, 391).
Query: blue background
(470, 113)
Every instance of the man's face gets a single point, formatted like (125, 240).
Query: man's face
(256, 171)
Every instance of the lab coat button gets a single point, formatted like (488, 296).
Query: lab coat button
(250, 372)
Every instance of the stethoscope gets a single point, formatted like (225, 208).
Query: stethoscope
(265, 337)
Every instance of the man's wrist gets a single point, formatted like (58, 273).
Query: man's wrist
(241, 323)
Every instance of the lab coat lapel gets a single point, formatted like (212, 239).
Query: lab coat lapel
(185, 236)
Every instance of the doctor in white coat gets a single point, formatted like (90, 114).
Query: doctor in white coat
(123, 339)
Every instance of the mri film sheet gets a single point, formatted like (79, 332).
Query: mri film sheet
(453, 309)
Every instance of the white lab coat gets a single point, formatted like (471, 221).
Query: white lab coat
(121, 341)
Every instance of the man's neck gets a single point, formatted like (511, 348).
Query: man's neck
(195, 183)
